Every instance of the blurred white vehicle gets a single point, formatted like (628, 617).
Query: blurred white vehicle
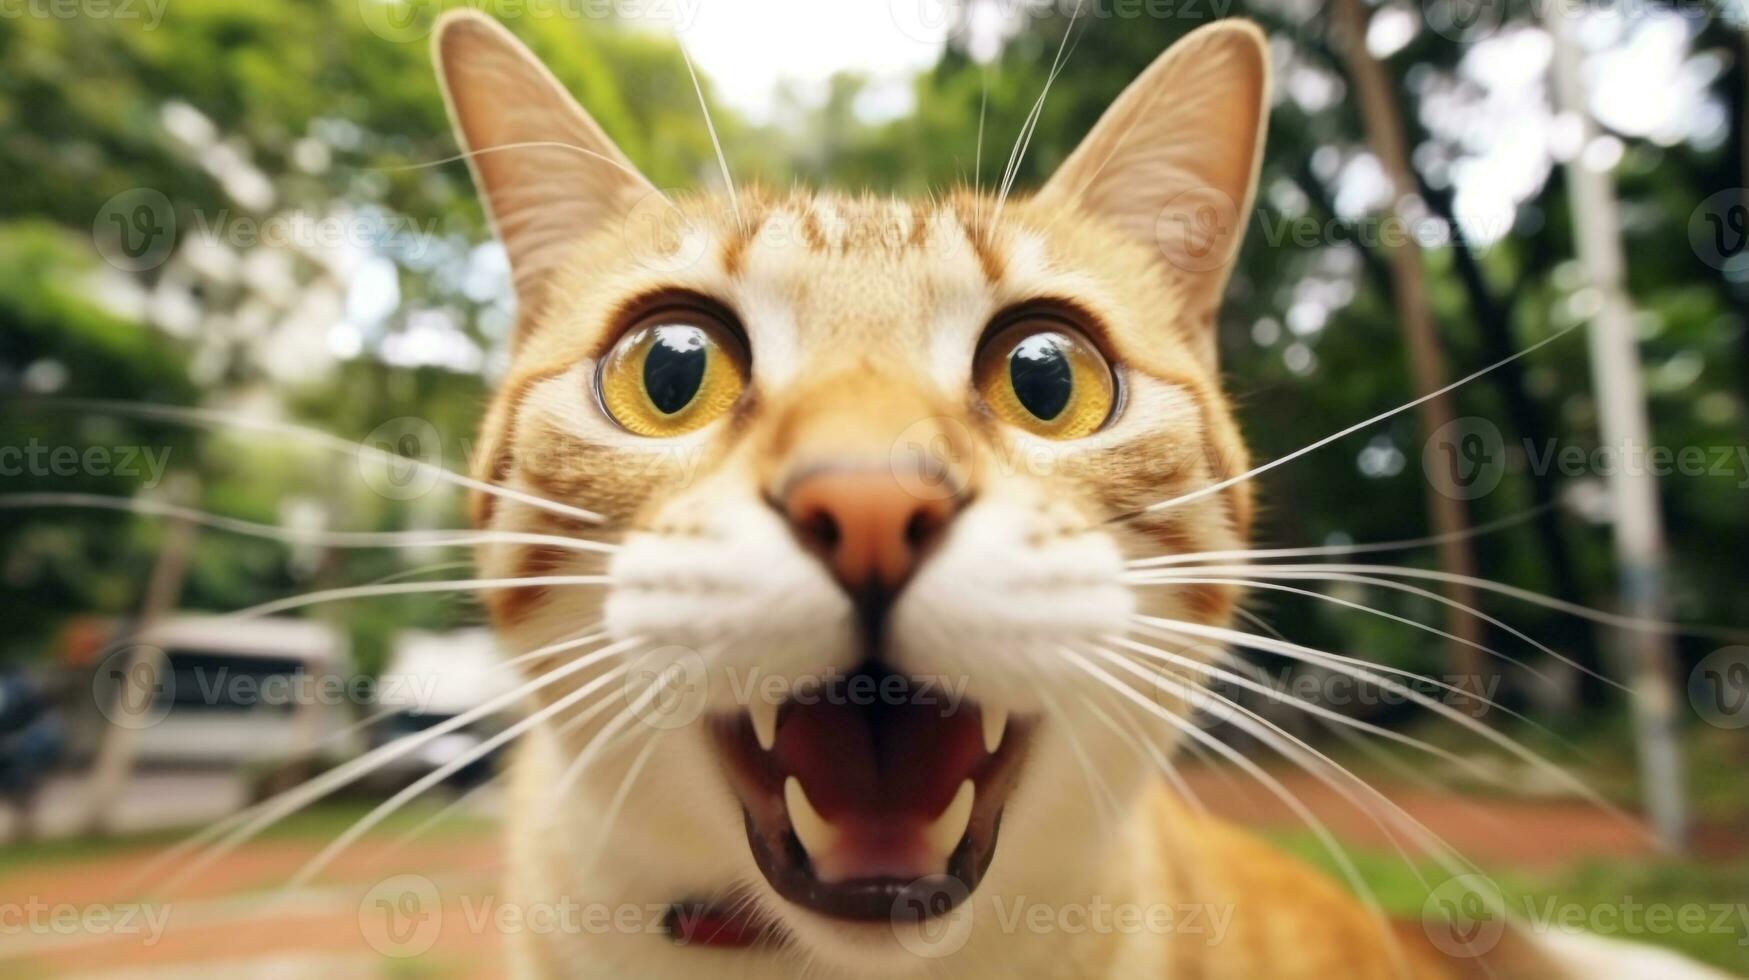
(234, 693)
(431, 678)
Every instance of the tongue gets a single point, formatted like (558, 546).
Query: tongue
(867, 762)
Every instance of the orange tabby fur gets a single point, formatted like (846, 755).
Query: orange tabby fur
(861, 314)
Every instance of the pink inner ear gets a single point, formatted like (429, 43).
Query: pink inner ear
(1173, 163)
(546, 171)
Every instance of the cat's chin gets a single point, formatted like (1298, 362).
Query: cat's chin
(879, 808)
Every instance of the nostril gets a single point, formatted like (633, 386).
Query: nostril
(864, 526)
(821, 528)
(922, 528)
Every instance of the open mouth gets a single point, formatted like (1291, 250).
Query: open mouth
(856, 790)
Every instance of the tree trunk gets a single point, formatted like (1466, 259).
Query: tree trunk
(139, 667)
(1447, 513)
(1568, 688)
(1621, 402)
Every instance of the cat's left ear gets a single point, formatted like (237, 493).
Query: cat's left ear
(1174, 161)
(547, 172)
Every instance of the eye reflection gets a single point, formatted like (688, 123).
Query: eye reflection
(673, 372)
(1041, 375)
(674, 367)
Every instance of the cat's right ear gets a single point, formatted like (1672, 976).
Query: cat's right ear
(1174, 160)
(546, 171)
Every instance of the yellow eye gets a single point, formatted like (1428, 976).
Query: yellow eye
(1044, 376)
(672, 372)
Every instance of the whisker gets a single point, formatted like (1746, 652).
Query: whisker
(1359, 606)
(216, 421)
(1297, 751)
(425, 826)
(1721, 633)
(1027, 128)
(978, 154)
(1311, 708)
(1338, 853)
(590, 713)
(1289, 573)
(1281, 741)
(1113, 810)
(1418, 776)
(578, 637)
(617, 803)
(588, 634)
(521, 145)
(1364, 671)
(598, 742)
(344, 593)
(288, 535)
(717, 144)
(383, 810)
(1345, 665)
(1149, 753)
(1280, 461)
(1365, 548)
(234, 830)
(1262, 624)
(408, 574)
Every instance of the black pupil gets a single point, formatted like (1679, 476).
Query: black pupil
(674, 367)
(1041, 374)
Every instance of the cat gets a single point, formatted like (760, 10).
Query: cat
(874, 469)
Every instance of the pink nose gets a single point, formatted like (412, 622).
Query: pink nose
(868, 529)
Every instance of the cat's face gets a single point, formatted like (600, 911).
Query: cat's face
(875, 468)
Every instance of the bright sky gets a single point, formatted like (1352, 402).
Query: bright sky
(749, 47)
(1494, 111)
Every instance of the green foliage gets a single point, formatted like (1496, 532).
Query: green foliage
(336, 115)
(335, 118)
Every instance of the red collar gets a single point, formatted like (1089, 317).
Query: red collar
(701, 924)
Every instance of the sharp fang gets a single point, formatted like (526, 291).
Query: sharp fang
(944, 835)
(763, 711)
(995, 725)
(818, 837)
